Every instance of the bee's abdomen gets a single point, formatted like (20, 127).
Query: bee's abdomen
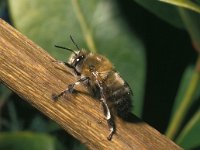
(119, 95)
(121, 100)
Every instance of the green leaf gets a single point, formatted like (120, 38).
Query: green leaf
(191, 5)
(189, 136)
(39, 124)
(192, 24)
(79, 146)
(187, 75)
(2, 7)
(15, 123)
(179, 14)
(50, 23)
(4, 93)
(185, 98)
(26, 140)
(169, 13)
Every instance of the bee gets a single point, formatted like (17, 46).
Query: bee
(98, 74)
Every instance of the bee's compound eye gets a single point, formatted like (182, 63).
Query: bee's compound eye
(79, 59)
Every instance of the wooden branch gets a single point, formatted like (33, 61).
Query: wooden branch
(32, 73)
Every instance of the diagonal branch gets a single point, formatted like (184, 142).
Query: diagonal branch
(32, 73)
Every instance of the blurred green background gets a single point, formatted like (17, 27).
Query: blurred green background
(154, 45)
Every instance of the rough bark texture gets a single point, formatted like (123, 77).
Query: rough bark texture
(32, 73)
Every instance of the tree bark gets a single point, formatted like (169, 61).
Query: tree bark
(33, 74)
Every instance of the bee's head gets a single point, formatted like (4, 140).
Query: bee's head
(76, 59)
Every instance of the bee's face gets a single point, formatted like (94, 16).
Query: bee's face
(76, 59)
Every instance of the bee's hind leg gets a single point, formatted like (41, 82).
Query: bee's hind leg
(109, 119)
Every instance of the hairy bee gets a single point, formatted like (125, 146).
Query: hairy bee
(98, 74)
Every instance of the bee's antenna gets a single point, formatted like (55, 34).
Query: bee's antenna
(66, 49)
(74, 42)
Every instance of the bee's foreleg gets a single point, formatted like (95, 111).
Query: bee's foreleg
(109, 119)
(63, 63)
(68, 65)
(70, 88)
